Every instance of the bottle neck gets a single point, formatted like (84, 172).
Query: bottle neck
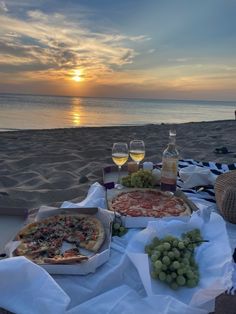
(172, 140)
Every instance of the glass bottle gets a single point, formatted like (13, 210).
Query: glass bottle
(170, 160)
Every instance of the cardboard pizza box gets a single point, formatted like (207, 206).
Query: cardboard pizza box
(96, 259)
(142, 222)
(11, 220)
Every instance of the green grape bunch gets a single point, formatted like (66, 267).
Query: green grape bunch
(172, 259)
(139, 179)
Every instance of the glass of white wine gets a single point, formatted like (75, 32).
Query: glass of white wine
(120, 154)
(137, 150)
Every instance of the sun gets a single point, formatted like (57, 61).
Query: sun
(77, 76)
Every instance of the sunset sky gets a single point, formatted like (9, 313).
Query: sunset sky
(182, 49)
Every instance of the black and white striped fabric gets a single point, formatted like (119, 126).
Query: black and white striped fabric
(208, 193)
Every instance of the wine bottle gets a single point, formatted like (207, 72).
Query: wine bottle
(170, 158)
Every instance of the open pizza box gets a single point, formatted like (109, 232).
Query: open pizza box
(142, 222)
(95, 259)
(11, 220)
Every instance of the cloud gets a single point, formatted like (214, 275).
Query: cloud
(53, 43)
(3, 7)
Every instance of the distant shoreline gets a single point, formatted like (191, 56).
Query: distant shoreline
(112, 126)
(123, 98)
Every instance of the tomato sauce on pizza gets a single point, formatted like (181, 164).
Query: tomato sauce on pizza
(149, 203)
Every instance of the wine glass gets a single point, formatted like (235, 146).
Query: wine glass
(120, 154)
(137, 150)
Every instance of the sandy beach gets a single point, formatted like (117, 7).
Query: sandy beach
(50, 166)
(47, 167)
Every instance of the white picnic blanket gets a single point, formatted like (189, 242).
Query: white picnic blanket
(115, 287)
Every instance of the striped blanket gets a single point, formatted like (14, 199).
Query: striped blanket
(206, 197)
(208, 193)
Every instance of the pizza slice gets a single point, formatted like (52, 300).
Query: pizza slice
(42, 241)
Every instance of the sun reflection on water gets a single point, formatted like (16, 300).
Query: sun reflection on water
(76, 112)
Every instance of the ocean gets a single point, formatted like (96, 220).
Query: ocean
(48, 112)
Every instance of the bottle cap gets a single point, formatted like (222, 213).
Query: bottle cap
(172, 132)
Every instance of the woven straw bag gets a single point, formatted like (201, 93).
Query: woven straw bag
(225, 193)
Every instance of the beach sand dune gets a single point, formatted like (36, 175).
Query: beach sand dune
(50, 166)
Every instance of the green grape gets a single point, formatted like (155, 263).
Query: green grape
(190, 274)
(180, 280)
(169, 239)
(175, 243)
(169, 279)
(162, 276)
(155, 241)
(191, 246)
(171, 255)
(166, 246)
(158, 270)
(175, 265)
(192, 261)
(157, 253)
(173, 275)
(180, 271)
(165, 253)
(181, 245)
(186, 242)
(116, 226)
(166, 260)
(185, 261)
(181, 264)
(154, 257)
(158, 264)
(174, 286)
(164, 267)
(177, 253)
(160, 248)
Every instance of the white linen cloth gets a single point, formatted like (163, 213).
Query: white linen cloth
(26, 288)
(193, 176)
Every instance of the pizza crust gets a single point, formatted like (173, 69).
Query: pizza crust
(41, 242)
(65, 260)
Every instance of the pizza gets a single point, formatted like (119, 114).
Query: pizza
(148, 203)
(42, 241)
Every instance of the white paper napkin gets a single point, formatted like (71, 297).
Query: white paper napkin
(193, 176)
(96, 197)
